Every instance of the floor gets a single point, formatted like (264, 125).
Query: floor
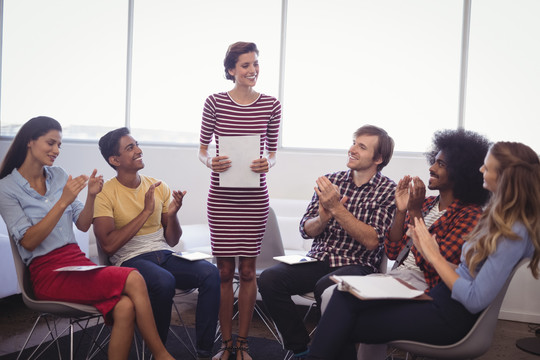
(16, 321)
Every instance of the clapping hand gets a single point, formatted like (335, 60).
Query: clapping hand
(149, 202)
(72, 188)
(176, 201)
(95, 183)
(417, 194)
(329, 197)
(424, 241)
(402, 193)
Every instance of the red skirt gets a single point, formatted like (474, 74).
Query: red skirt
(101, 288)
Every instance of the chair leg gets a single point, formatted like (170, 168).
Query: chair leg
(70, 341)
(270, 325)
(192, 349)
(54, 334)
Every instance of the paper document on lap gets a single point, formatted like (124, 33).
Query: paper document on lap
(378, 286)
(192, 256)
(294, 259)
(80, 268)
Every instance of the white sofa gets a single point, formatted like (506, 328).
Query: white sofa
(8, 277)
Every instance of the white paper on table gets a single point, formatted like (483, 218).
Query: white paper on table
(80, 268)
(241, 150)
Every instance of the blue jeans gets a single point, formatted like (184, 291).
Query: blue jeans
(278, 283)
(163, 273)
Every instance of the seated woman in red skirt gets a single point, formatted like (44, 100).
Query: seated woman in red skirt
(38, 203)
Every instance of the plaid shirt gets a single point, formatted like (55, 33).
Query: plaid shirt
(371, 203)
(450, 230)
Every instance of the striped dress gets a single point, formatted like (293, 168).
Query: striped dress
(237, 216)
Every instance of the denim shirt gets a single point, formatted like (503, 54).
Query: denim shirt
(476, 293)
(22, 207)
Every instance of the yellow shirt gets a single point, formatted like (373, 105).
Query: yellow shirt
(123, 204)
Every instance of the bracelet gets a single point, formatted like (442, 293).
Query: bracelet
(270, 164)
(209, 165)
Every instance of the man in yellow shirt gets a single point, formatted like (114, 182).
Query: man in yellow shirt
(136, 225)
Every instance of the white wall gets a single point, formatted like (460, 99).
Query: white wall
(292, 178)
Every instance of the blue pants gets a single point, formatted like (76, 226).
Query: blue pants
(278, 283)
(348, 320)
(163, 273)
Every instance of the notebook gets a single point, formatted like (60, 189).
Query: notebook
(79, 268)
(294, 259)
(192, 256)
(378, 286)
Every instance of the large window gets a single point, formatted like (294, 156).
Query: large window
(503, 96)
(335, 65)
(390, 63)
(65, 59)
(178, 52)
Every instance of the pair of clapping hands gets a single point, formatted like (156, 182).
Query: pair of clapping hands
(410, 195)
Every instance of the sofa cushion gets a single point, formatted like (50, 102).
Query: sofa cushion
(195, 237)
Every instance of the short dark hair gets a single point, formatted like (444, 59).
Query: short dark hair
(31, 130)
(385, 146)
(464, 152)
(233, 53)
(109, 144)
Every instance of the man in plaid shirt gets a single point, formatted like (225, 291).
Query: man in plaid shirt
(455, 158)
(347, 218)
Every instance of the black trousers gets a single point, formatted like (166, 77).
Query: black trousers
(278, 283)
(348, 320)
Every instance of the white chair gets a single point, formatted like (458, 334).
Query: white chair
(84, 316)
(475, 343)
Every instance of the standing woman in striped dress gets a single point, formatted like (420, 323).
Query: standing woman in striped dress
(237, 216)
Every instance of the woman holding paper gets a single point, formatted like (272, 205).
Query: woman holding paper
(508, 231)
(237, 211)
(38, 202)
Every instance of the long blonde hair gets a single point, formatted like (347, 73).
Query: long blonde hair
(516, 199)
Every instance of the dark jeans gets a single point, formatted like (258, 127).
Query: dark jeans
(163, 273)
(348, 320)
(278, 283)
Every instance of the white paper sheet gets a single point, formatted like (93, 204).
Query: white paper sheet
(192, 256)
(375, 287)
(241, 150)
(294, 259)
(80, 268)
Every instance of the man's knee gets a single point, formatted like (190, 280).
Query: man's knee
(209, 275)
(321, 285)
(268, 280)
(163, 287)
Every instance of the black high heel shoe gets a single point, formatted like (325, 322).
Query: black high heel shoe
(226, 346)
(242, 346)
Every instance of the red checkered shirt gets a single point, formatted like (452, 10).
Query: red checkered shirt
(450, 230)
